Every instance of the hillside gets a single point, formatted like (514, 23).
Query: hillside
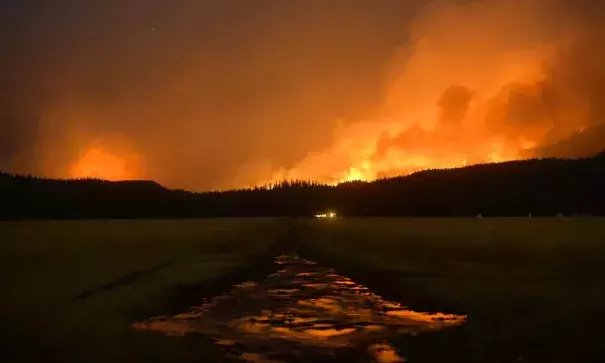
(540, 187)
(581, 144)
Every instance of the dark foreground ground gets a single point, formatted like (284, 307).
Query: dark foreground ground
(530, 289)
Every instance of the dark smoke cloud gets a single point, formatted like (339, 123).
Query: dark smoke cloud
(454, 105)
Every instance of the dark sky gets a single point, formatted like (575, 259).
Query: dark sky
(198, 92)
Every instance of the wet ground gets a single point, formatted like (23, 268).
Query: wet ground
(302, 312)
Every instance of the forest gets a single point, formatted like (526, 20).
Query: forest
(540, 187)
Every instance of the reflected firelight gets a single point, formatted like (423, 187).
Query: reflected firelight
(303, 311)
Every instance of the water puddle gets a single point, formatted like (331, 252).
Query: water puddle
(302, 312)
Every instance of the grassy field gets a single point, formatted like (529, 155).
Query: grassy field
(71, 289)
(533, 288)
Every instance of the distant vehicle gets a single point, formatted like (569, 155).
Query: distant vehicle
(325, 215)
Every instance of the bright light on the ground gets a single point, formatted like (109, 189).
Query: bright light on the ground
(326, 215)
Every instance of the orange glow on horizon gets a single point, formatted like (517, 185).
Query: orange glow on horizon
(100, 164)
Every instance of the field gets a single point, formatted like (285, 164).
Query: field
(532, 288)
(72, 289)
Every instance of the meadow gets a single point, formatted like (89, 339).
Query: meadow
(71, 289)
(532, 288)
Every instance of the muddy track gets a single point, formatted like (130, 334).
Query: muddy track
(383, 281)
(125, 280)
(183, 295)
(302, 311)
(257, 266)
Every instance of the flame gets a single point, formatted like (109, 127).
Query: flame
(361, 173)
(365, 165)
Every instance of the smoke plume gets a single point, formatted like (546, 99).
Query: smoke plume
(205, 95)
(481, 81)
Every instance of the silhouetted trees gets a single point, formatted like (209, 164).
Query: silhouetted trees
(516, 188)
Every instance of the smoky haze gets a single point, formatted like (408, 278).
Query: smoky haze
(213, 95)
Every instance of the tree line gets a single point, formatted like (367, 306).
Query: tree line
(542, 187)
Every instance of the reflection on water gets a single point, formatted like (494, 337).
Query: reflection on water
(301, 312)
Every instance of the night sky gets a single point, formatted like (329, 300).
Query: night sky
(219, 94)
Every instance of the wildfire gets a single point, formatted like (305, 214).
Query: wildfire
(362, 172)
(394, 162)
(449, 103)
(98, 163)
